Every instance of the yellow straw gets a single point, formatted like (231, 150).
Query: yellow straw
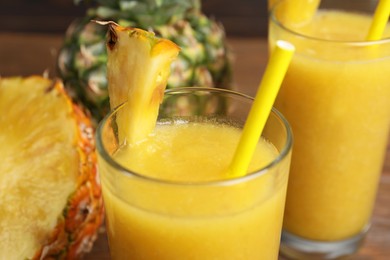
(261, 107)
(379, 21)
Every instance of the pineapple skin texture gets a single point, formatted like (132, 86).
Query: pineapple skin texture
(205, 58)
(77, 225)
(77, 229)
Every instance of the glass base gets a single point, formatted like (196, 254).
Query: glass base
(294, 247)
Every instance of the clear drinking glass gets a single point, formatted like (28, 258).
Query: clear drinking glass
(336, 96)
(151, 218)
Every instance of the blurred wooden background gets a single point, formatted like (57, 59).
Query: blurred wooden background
(240, 18)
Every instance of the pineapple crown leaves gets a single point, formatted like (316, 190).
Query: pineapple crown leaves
(143, 13)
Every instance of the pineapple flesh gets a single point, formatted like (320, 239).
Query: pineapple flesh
(137, 71)
(204, 59)
(50, 201)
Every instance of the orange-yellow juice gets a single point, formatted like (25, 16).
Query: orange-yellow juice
(180, 209)
(336, 96)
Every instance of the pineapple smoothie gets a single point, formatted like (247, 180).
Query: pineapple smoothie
(169, 196)
(296, 11)
(193, 222)
(336, 96)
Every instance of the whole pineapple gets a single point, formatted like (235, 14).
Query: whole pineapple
(204, 58)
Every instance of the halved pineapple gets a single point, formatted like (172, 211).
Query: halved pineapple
(137, 71)
(50, 201)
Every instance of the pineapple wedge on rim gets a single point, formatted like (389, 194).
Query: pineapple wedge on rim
(50, 195)
(138, 68)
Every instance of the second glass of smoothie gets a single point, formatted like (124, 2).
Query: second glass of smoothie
(336, 96)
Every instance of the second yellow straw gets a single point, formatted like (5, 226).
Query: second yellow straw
(379, 21)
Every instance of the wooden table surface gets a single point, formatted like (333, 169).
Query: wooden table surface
(26, 54)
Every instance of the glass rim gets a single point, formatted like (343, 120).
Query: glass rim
(283, 153)
(275, 20)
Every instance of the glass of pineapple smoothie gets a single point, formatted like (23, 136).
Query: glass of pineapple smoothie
(170, 195)
(336, 96)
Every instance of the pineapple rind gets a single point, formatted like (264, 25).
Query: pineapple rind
(83, 214)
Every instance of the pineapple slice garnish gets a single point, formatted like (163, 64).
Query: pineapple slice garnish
(137, 70)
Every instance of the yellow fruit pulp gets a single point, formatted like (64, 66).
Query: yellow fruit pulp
(39, 163)
(337, 102)
(155, 220)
